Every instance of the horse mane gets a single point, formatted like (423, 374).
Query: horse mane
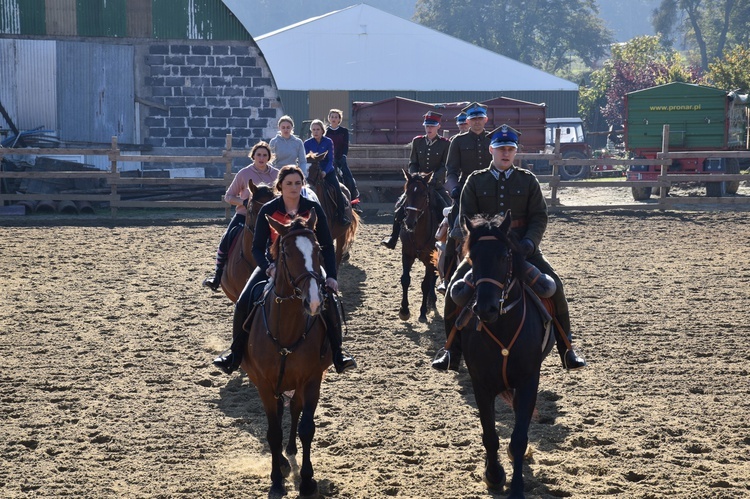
(298, 222)
(489, 225)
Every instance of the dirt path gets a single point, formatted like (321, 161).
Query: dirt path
(107, 390)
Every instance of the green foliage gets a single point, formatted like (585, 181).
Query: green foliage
(641, 63)
(546, 34)
(732, 72)
(706, 28)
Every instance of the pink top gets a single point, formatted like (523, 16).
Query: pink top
(239, 187)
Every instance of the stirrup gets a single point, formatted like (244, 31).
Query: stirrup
(211, 283)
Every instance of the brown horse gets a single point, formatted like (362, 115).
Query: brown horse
(342, 235)
(418, 241)
(287, 350)
(240, 262)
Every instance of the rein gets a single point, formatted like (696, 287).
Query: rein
(505, 288)
(284, 351)
(420, 212)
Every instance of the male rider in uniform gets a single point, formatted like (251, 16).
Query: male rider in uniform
(494, 191)
(428, 155)
(468, 152)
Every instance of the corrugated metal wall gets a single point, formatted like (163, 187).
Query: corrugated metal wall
(27, 82)
(96, 91)
(196, 20)
(323, 101)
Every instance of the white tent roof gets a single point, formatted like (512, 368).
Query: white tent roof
(363, 48)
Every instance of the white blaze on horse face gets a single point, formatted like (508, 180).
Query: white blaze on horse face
(305, 246)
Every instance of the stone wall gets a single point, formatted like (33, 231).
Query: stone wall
(198, 92)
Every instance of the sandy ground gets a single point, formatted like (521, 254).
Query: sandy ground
(107, 387)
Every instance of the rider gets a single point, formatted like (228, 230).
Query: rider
(287, 148)
(238, 194)
(340, 137)
(428, 155)
(319, 144)
(461, 123)
(467, 153)
(494, 191)
(284, 208)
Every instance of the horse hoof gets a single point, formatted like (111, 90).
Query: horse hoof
(291, 450)
(276, 492)
(422, 318)
(286, 468)
(309, 490)
(495, 483)
(404, 315)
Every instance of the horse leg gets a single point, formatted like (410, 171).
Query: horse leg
(524, 402)
(274, 411)
(308, 487)
(406, 263)
(428, 286)
(295, 409)
(494, 474)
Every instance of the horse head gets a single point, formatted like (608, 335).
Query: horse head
(259, 195)
(417, 198)
(299, 272)
(314, 159)
(490, 247)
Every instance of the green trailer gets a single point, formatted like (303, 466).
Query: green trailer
(700, 118)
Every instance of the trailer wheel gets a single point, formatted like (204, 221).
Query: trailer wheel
(733, 168)
(716, 189)
(574, 172)
(641, 193)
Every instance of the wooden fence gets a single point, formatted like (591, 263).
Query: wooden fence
(374, 169)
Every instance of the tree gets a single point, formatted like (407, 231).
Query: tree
(641, 63)
(706, 26)
(732, 72)
(545, 34)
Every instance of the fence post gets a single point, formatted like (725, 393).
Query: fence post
(555, 169)
(228, 173)
(664, 168)
(113, 196)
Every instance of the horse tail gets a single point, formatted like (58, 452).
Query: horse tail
(351, 231)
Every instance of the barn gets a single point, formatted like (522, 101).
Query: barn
(172, 76)
(378, 56)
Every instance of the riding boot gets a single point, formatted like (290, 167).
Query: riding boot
(450, 358)
(230, 360)
(214, 282)
(398, 218)
(333, 331)
(569, 357)
(341, 210)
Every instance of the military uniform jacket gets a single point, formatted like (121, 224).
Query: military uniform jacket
(467, 153)
(428, 158)
(520, 193)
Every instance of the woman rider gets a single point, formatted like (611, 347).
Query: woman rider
(319, 144)
(284, 208)
(238, 194)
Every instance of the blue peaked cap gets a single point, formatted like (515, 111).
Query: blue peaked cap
(475, 110)
(504, 136)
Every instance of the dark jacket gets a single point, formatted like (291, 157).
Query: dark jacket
(520, 193)
(429, 158)
(467, 153)
(275, 209)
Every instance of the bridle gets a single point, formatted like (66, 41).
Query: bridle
(297, 281)
(426, 203)
(505, 287)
